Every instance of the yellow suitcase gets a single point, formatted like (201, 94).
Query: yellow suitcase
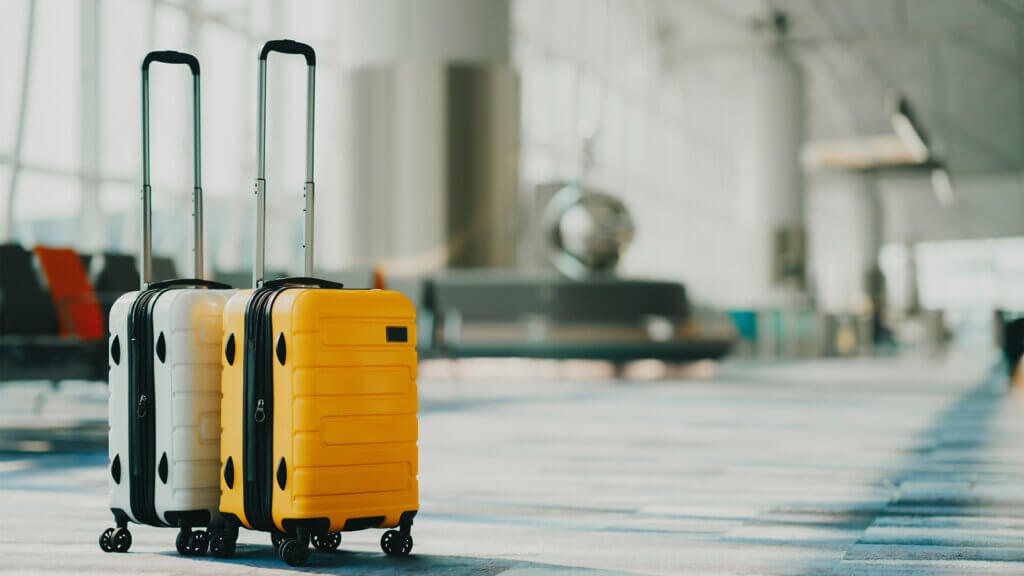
(319, 403)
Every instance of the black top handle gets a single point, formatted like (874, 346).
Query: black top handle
(171, 57)
(190, 282)
(303, 281)
(289, 47)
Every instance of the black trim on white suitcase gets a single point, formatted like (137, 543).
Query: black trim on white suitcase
(141, 409)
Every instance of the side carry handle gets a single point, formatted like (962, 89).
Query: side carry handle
(303, 281)
(210, 284)
(146, 252)
(287, 47)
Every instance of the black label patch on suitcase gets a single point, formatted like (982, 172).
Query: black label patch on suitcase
(362, 523)
(282, 473)
(229, 350)
(162, 469)
(280, 349)
(115, 351)
(397, 334)
(229, 473)
(161, 348)
(115, 469)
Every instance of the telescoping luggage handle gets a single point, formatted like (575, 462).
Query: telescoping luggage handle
(170, 57)
(287, 47)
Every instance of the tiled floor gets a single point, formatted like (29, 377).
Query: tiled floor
(881, 466)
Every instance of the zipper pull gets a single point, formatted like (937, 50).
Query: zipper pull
(141, 411)
(260, 414)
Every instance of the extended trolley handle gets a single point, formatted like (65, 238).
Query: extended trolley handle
(287, 47)
(170, 57)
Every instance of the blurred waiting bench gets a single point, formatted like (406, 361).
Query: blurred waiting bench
(53, 313)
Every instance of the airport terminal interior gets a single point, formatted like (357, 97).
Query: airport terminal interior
(659, 287)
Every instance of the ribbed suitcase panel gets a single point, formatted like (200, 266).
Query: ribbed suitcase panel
(187, 389)
(349, 439)
(231, 497)
(309, 445)
(118, 410)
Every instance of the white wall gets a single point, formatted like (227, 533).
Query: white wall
(986, 205)
(674, 125)
(670, 142)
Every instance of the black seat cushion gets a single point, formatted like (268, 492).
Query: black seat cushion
(25, 307)
(118, 275)
(164, 269)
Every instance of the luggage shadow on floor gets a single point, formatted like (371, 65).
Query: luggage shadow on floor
(373, 563)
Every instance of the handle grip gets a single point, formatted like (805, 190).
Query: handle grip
(289, 47)
(146, 256)
(190, 282)
(303, 281)
(171, 57)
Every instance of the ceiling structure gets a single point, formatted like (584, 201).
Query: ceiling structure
(960, 63)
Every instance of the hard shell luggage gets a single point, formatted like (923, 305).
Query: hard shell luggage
(319, 397)
(165, 381)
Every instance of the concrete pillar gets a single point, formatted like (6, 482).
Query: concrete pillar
(429, 117)
(19, 134)
(771, 177)
(91, 226)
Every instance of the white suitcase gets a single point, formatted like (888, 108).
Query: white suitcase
(165, 383)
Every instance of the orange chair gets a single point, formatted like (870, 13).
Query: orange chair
(78, 310)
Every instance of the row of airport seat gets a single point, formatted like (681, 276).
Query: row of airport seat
(50, 291)
(53, 311)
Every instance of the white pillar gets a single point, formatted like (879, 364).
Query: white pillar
(91, 227)
(771, 199)
(390, 32)
(19, 134)
(429, 118)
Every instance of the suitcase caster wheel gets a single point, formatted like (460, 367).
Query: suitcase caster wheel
(292, 552)
(181, 543)
(394, 543)
(106, 544)
(120, 540)
(192, 543)
(199, 542)
(220, 545)
(328, 542)
(276, 539)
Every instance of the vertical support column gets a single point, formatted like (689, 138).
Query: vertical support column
(19, 136)
(429, 125)
(90, 218)
(282, 203)
(771, 178)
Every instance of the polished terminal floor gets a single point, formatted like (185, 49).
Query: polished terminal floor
(868, 466)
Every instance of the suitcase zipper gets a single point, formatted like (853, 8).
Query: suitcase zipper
(141, 430)
(258, 410)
